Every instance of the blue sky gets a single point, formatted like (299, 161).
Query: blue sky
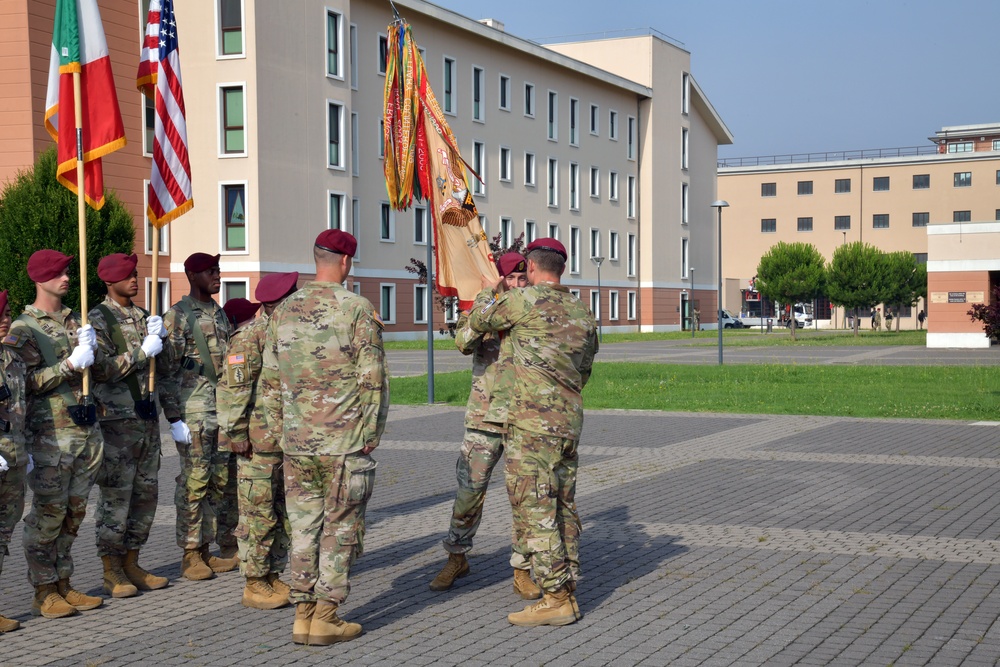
(798, 76)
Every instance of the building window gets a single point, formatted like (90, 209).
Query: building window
(630, 204)
(484, 223)
(612, 305)
(880, 184)
(150, 229)
(921, 257)
(387, 304)
(880, 221)
(149, 125)
(961, 147)
(574, 122)
(595, 242)
(419, 225)
(921, 181)
(333, 44)
(630, 138)
(420, 304)
(595, 182)
(477, 93)
(553, 231)
(235, 220)
(383, 54)
(233, 122)
(613, 125)
(595, 303)
(768, 226)
(504, 164)
(842, 185)
(354, 56)
(506, 232)
(451, 309)
(387, 223)
(805, 224)
(685, 264)
(684, 203)
(553, 116)
(356, 226)
(334, 131)
(921, 219)
(231, 27)
(530, 231)
(685, 92)
(613, 185)
(630, 255)
(961, 216)
(996, 144)
(162, 294)
(613, 246)
(998, 176)
(335, 219)
(631, 305)
(479, 166)
(684, 148)
(355, 140)
(963, 179)
(449, 86)
(504, 92)
(574, 250)
(529, 100)
(841, 222)
(805, 187)
(768, 189)
(595, 120)
(234, 288)
(574, 186)
(381, 138)
(553, 183)
(575, 292)
(529, 169)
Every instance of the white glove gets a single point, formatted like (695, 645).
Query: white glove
(3, 464)
(152, 345)
(82, 357)
(180, 432)
(31, 463)
(86, 335)
(154, 326)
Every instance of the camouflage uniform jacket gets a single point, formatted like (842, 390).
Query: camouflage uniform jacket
(46, 405)
(241, 413)
(325, 384)
(545, 357)
(183, 389)
(485, 350)
(114, 400)
(14, 408)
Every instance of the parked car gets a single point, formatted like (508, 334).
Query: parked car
(730, 322)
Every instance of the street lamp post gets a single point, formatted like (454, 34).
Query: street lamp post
(691, 304)
(719, 205)
(600, 325)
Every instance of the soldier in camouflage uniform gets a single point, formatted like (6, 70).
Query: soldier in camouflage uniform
(263, 532)
(206, 486)
(131, 429)
(546, 358)
(481, 448)
(65, 442)
(326, 393)
(13, 455)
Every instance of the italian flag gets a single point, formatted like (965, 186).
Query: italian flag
(78, 45)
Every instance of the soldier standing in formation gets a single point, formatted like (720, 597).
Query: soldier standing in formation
(13, 456)
(326, 396)
(553, 335)
(263, 531)
(66, 442)
(206, 486)
(130, 424)
(481, 447)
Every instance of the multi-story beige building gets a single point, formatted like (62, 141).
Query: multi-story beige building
(886, 198)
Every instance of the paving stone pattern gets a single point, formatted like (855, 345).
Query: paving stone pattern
(708, 539)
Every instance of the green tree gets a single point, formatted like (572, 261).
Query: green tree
(791, 272)
(37, 212)
(905, 280)
(855, 277)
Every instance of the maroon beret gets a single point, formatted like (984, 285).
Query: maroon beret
(511, 262)
(276, 286)
(116, 267)
(45, 265)
(547, 244)
(240, 310)
(200, 261)
(3, 301)
(335, 240)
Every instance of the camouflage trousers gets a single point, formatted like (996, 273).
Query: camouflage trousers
(11, 504)
(326, 498)
(481, 450)
(129, 485)
(541, 484)
(262, 533)
(205, 498)
(67, 462)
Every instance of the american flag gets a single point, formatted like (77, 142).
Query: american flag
(159, 78)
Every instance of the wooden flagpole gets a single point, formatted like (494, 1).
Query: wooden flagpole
(81, 216)
(154, 298)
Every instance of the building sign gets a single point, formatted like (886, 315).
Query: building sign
(956, 297)
(939, 297)
(975, 297)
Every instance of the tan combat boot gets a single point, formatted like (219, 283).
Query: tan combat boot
(280, 587)
(303, 620)
(8, 624)
(571, 585)
(554, 608)
(79, 600)
(328, 628)
(49, 603)
(258, 594)
(193, 567)
(525, 587)
(140, 578)
(116, 584)
(218, 565)
(456, 567)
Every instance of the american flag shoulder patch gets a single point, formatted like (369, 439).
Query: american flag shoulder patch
(236, 359)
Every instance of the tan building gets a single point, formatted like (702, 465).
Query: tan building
(964, 269)
(886, 198)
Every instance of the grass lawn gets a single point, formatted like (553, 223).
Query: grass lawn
(927, 392)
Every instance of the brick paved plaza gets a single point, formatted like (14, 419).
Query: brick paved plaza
(708, 539)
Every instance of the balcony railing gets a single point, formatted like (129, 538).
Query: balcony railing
(835, 156)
